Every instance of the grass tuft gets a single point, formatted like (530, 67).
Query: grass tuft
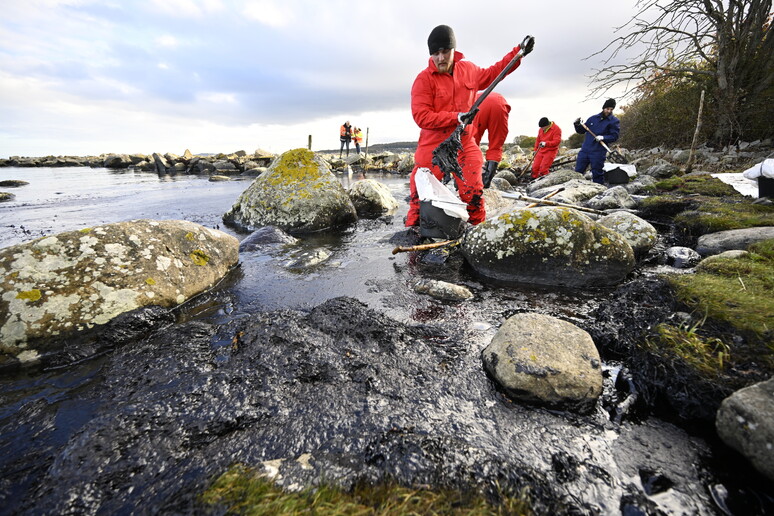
(737, 293)
(241, 490)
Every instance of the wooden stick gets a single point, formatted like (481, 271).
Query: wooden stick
(424, 247)
(552, 203)
(546, 197)
(528, 164)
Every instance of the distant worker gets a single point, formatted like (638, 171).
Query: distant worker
(441, 98)
(357, 137)
(345, 136)
(546, 146)
(492, 118)
(605, 127)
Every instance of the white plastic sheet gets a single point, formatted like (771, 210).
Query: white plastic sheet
(430, 189)
(765, 168)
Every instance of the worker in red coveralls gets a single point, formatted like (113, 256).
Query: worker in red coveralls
(546, 146)
(493, 119)
(441, 98)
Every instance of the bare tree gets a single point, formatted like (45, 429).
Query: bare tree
(728, 43)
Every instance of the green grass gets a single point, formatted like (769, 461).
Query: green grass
(242, 491)
(700, 184)
(737, 293)
(706, 355)
(717, 215)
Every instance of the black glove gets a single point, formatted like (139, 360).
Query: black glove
(467, 118)
(528, 44)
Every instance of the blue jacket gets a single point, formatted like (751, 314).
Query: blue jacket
(608, 127)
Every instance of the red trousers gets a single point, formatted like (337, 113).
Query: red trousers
(543, 161)
(493, 118)
(470, 188)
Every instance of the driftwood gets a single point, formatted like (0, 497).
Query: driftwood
(425, 247)
(535, 200)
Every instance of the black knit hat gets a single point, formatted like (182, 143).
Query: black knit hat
(609, 103)
(441, 37)
(543, 122)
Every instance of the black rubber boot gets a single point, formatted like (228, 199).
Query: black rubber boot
(490, 169)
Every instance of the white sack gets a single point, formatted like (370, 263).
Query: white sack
(430, 189)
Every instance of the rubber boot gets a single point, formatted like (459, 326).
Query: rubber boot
(488, 173)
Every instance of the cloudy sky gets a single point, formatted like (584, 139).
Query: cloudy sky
(81, 77)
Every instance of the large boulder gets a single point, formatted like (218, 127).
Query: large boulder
(298, 194)
(541, 359)
(741, 239)
(75, 280)
(371, 198)
(640, 233)
(548, 246)
(745, 422)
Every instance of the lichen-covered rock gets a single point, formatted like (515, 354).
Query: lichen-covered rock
(576, 191)
(7, 196)
(613, 198)
(548, 246)
(75, 280)
(541, 359)
(548, 183)
(298, 194)
(371, 198)
(640, 234)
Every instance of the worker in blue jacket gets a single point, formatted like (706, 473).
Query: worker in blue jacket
(605, 128)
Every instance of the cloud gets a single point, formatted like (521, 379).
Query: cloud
(290, 65)
(269, 13)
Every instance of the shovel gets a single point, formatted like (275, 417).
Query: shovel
(445, 155)
(524, 170)
(615, 156)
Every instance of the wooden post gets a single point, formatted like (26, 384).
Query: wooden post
(692, 155)
(310, 142)
(365, 161)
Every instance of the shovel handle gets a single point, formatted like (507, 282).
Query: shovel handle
(595, 136)
(505, 71)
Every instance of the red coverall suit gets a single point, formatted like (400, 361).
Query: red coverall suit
(552, 135)
(436, 100)
(492, 117)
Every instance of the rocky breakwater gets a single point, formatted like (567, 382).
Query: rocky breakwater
(298, 194)
(224, 164)
(62, 284)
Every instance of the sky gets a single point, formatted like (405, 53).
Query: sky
(81, 77)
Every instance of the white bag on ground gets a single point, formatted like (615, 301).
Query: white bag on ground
(430, 189)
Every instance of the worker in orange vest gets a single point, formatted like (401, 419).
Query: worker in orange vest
(345, 136)
(357, 137)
